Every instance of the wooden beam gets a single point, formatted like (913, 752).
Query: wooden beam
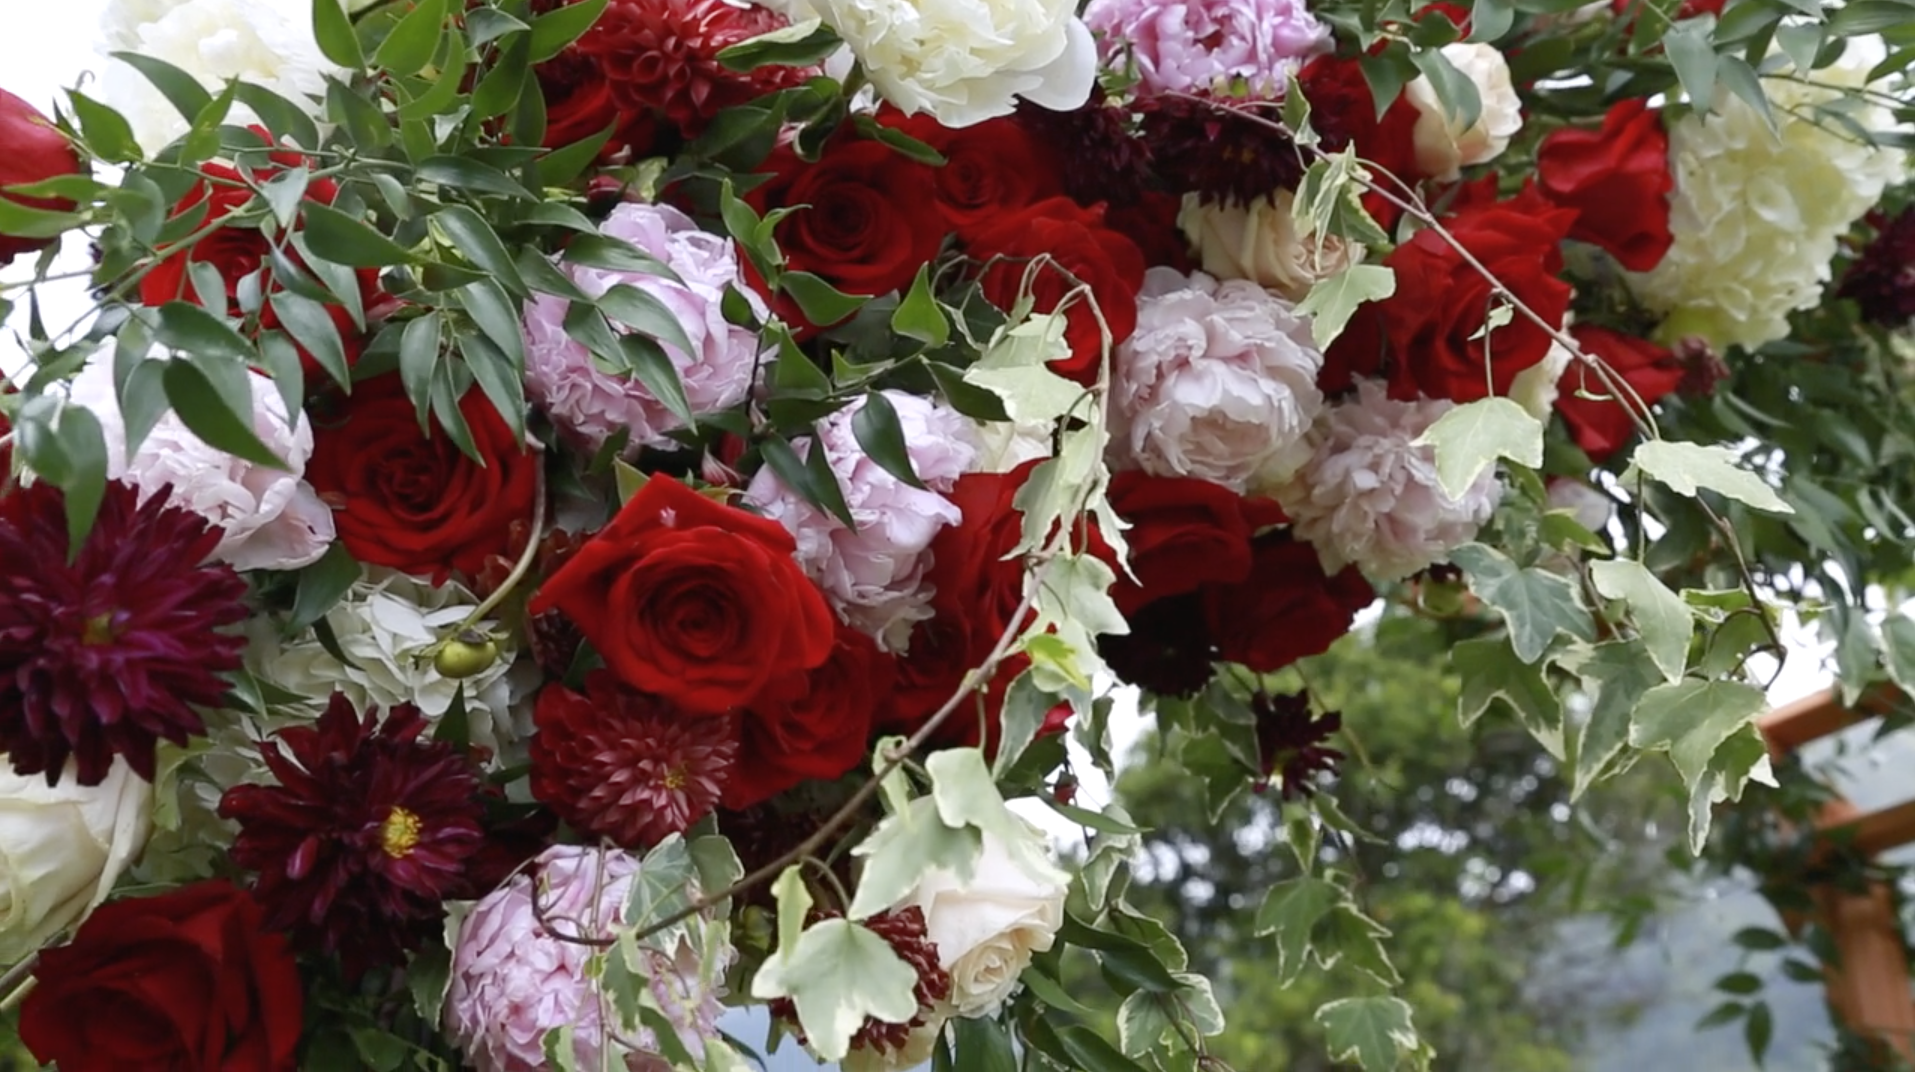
(1879, 831)
(1820, 714)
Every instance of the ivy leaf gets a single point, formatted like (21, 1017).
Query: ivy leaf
(1291, 911)
(1743, 758)
(794, 900)
(1664, 621)
(1141, 1023)
(966, 796)
(1491, 671)
(1690, 720)
(1349, 937)
(1898, 650)
(1375, 1032)
(1616, 674)
(1015, 367)
(1469, 439)
(1535, 604)
(903, 848)
(918, 315)
(839, 974)
(1687, 468)
(1333, 301)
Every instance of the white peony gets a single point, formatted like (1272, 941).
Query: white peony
(273, 519)
(1218, 382)
(266, 42)
(1443, 146)
(986, 929)
(1756, 217)
(1370, 496)
(383, 624)
(1262, 242)
(874, 574)
(965, 61)
(62, 847)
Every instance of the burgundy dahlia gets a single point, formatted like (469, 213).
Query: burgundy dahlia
(1169, 649)
(108, 653)
(624, 765)
(365, 837)
(1291, 742)
(1225, 151)
(1882, 279)
(662, 55)
(1108, 162)
(903, 929)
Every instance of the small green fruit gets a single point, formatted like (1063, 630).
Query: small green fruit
(466, 655)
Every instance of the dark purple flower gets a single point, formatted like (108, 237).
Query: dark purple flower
(368, 832)
(1168, 650)
(1224, 150)
(1108, 162)
(1882, 279)
(1291, 742)
(108, 653)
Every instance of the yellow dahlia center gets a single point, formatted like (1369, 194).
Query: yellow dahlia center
(399, 833)
(98, 630)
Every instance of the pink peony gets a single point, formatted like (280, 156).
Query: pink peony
(594, 404)
(1218, 383)
(874, 574)
(1369, 496)
(1184, 46)
(513, 981)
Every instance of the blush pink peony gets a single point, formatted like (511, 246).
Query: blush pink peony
(874, 574)
(593, 404)
(1185, 46)
(1218, 383)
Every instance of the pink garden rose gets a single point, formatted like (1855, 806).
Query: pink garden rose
(593, 404)
(1184, 46)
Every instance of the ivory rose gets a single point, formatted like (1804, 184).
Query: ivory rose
(1261, 242)
(62, 847)
(1443, 145)
(986, 929)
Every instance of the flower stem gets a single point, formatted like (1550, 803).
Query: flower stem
(519, 569)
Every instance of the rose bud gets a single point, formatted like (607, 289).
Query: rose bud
(468, 654)
(31, 150)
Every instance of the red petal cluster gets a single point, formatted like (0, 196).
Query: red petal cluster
(32, 150)
(903, 929)
(1617, 179)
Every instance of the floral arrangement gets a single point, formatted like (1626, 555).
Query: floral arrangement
(568, 515)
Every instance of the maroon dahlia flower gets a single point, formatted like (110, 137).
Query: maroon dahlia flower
(1882, 279)
(108, 654)
(624, 765)
(368, 832)
(1291, 742)
(1224, 150)
(904, 931)
(663, 55)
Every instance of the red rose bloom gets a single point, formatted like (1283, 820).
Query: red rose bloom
(579, 104)
(1151, 222)
(992, 168)
(410, 500)
(188, 979)
(1077, 241)
(1343, 113)
(31, 150)
(1286, 608)
(1434, 321)
(1185, 533)
(1617, 179)
(1600, 424)
(867, 226)
(692, 600)
(812, 726)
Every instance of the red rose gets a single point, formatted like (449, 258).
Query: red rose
(1618, 181)
(692, 600)
(992, 168)
(1151, 222)
(579, 104)
(1434, 322)
(188, 979)
(1185, 533)
(866, 227)
(811, 726)
(1076, 241)
(1286, 608)
(410, 500)
(239, 252)
(1343, 112)
(31, 150)
(1600, 424)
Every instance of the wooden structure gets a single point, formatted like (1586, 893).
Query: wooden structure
(1868, 985)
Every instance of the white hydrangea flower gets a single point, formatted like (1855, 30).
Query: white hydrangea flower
(1756, 217)
(1369, 495)
(965, 61)
(874, 575)
(273, 519)
(383, 624)
(266, 42)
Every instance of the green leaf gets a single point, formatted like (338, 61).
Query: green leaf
(1693, 720)
(1469, 439)
(467, 232)
(875, 426)
(642, 311)
(322, 585)
(107, 132)
(180, 89)
(918, 316)
(1455, 91)
(561, 26)
(313, 328)
(337, 38)
(1491, 671)
(192, 330)
(1091, 1053)
(1898, 650)
(82, 445)
(839, 974)
(822, 303)
(983, 1045)
(1687, 468)
(1331, 302)
(966, 796)
(1291, 911)
(1663, 620)
(1536, 605)
(282, 117)
(210, 413)
(1141, 1023)
(800, 44)
(1741, 759)
(794, 901)
(334, 236)
(466, 174)
(501, 378)
(655, 369)
(410, 45)
(1615, 674)
(1693, 56)
(1760, 1026)
(1354, 940)
(1375, 1032)
(820, 490)
(903, 848)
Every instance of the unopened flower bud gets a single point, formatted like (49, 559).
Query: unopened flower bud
(466, 655)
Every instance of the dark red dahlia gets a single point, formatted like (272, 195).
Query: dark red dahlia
(662, 55)
(1168, 651)
(109, 653)
(1223, 150)
(903, 929)
(369, 831)
(1882, 279)
(1291, 742)
(1108, 161)
(624, 765)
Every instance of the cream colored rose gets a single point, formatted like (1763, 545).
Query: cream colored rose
(1263, 243)
(62, 847)
(986, 929)
(1443, 147)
